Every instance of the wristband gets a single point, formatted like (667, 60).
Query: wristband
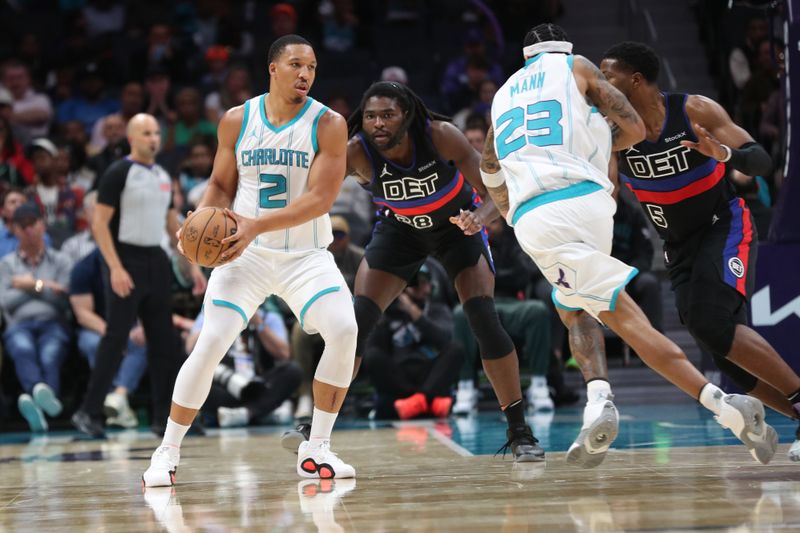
(728, 151)
(493, 180)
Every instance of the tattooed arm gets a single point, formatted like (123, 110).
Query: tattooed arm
(490, 165)
(628, 128)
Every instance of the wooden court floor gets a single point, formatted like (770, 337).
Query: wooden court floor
(410, 478)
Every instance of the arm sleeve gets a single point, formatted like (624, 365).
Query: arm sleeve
(751, 159)
(112, 182)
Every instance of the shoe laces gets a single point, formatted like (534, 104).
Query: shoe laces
(522, 434)
(162, 456)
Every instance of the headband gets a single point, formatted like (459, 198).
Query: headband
(564, 47)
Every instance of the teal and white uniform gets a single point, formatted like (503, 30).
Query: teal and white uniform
(554, 149)
(273, 164)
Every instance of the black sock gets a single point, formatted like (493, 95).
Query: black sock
(515, 413)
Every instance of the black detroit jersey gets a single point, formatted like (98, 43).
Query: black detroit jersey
(422, 196)
(680, 189)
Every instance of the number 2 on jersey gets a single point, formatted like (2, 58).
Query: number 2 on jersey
(276, 184)
(544, 119)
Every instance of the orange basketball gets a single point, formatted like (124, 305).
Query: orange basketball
(202, 235)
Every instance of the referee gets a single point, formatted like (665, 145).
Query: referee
(133, 204)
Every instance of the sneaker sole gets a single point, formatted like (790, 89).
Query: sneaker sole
(530, 458)
(159, 479)
(33, 417)
(600, 434)
(47, 401)
(752, 412)
(291, 441)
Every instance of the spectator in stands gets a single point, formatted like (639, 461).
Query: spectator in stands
(157, 87)
(103, 17)
(161, 51)
(196, 170)
(633, 245)
(476, 136)
(526, 321)
(394, 73)
(742, 59)
(11, 199)
(29, 52)
(82, 243)
(764, 80)
(411, 358)
(283, 19)
(87, 298)
(131, 102)
(339, 25)
(243, 391)
(15, 169)
(59, 202)
(32, 111)
(73, 164)
(91, 104)
(307, 349)
(235, 90)
(464, 74)
(482, 106)
(33, 298)
(190, 120)
(115, 144)
(217, 58)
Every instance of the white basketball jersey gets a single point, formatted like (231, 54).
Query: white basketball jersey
(273, 164)
(547, 137)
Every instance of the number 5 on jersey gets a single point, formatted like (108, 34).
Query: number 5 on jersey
(543, 127)
(275, 185)
(657, 215)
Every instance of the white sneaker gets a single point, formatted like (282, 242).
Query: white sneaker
(31, 413)
(305, 407)
(538, 395)
(744, 416)
(321, 463)
(46, 399)
(163, 466)
(232, 417)
(466, 398)
(600, 428)
(794, 451)
(118, 412)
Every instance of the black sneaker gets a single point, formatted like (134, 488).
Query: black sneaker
(292, 439)
(524, 446)
(84, 423)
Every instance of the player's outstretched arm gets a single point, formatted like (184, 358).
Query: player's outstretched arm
(492, 175)
(720, 138)
(628, 128)
(324, 182)
(453, 146)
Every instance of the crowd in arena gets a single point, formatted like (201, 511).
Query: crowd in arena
(70, 80)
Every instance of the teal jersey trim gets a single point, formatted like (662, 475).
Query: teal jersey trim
(614, 296)
(531, 60)
(314, 142)
(560, 305)
(244, 127)
(573, 191)
(278, 129)
(570, 59)
(313, 299)
(231, 305)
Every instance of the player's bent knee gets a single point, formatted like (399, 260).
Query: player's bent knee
(368, 313)
(714, 332)
(492, 339)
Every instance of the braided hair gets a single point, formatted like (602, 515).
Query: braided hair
(545, 32)
(417, 115)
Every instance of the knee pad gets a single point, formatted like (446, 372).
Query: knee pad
(367, 316)
(712, 329)
(743, 379)
(492, 339)
(336, 364)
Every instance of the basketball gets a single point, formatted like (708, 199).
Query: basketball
(202, 235)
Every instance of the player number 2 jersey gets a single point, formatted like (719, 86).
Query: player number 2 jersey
(273, 164)
(547, 137)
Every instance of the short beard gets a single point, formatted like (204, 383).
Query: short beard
(297, 100)
(394, 140)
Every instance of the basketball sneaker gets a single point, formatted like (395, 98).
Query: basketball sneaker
(538, 395)
(600, 428)
(293, 438)
(32, 414)
(411, 407)
(321, 463)
(46, 399)
(794, 451)
(744, 416)
(233, 417)
(524, 446)
(163, 466)
(466, 398)
(440, 406)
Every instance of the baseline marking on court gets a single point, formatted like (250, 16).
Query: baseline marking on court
(449, 443)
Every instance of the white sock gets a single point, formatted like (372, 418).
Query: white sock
(321, 427)
(711, 398)
(173, 435)
(597, 388)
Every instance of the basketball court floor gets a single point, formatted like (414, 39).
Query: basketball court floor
(672, 469)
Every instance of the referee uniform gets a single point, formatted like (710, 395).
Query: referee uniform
(141, 197)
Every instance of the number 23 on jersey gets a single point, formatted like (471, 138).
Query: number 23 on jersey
(542, 123)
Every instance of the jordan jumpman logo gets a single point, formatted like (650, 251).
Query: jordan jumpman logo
(561, 281)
